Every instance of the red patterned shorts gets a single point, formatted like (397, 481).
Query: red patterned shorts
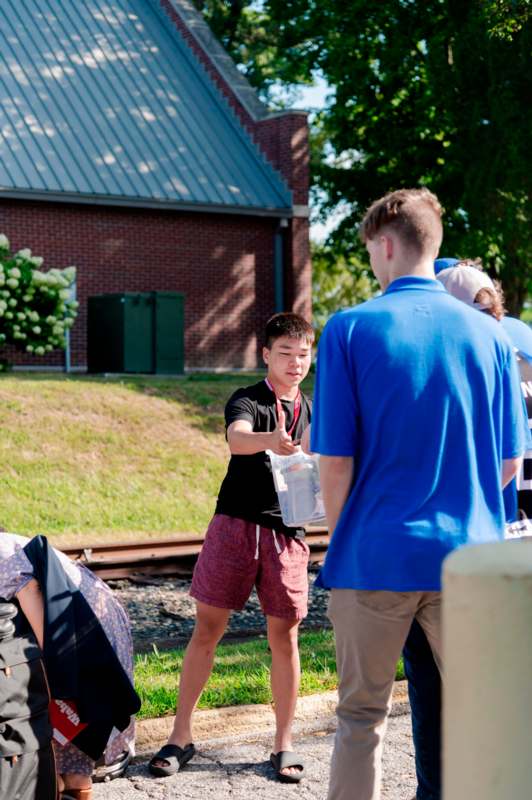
(238, 555)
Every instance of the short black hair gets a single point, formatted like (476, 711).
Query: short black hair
(287, 324)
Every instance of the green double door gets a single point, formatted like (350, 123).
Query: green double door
(136, 332)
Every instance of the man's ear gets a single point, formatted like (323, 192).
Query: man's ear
(266, 355)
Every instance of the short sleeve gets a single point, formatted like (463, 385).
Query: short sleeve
(239, 406)
(335, 414)
(15, 572)
(515, 433)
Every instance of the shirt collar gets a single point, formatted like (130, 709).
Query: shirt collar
(415, 282)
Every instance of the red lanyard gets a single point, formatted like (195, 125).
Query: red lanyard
(297, 405)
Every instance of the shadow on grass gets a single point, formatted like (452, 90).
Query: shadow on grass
(201, 395)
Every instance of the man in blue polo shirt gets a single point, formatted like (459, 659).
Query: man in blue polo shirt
(415, 417)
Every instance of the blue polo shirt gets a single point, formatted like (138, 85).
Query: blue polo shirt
(520, 334)
(423, 392)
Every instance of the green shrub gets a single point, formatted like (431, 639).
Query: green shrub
(36, 307)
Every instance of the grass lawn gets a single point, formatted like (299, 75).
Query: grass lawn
(111, 459)
(240, 677)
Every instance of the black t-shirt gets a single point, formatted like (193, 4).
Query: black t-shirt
(248, 491)
(524, 482)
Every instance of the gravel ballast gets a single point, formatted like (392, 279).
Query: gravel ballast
(162, 612)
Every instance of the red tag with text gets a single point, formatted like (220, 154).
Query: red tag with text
(65, 720)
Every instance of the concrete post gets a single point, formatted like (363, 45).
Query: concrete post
(487, 651)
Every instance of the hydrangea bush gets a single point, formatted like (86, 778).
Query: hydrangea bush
(35, 306)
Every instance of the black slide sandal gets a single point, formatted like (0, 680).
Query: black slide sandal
(176, 757)
(284, 759)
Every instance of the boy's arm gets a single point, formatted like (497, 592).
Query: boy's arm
(305, 441)
(336, 478)
(31, 603)
(243, 441)
(510, 468)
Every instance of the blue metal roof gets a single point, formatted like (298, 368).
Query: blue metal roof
(102, 100)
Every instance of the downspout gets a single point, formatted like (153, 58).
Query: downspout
(68, 358)
(278, 264)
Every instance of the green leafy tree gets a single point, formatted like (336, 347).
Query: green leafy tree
(427, 94)
(433, 93)
(250, 36)
(338, 281)
(507, 17)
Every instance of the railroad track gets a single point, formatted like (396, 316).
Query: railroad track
(171, 556)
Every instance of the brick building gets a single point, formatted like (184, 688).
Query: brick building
(133, 148)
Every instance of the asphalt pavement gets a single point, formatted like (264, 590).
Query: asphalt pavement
(237, 768)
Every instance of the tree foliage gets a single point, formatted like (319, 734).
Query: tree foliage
(434, 93)
(338, 281)
(249, 34)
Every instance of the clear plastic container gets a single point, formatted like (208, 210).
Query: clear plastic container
(297, 483)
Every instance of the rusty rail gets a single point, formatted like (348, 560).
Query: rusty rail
(170, 556)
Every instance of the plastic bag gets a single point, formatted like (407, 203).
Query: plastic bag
(297, 483)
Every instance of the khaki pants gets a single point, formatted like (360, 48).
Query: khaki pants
(370, 629)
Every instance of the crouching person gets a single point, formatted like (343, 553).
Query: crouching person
(85, 639)
(27, 766)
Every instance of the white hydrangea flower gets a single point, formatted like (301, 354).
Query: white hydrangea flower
(12, 302)
(24, 254)
(12, 283)
(36, 261)
(36, 329)
(39, 350)
(29, 348)
(14, 272)
(4, 242)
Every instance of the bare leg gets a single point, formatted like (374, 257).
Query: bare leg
(74, 780)
(285, 674)
(210, 625)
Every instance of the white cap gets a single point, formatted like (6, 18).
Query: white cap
(465, 282)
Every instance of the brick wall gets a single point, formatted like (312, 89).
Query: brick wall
(223, 264)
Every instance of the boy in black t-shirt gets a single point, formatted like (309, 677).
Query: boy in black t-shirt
(248, 545)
